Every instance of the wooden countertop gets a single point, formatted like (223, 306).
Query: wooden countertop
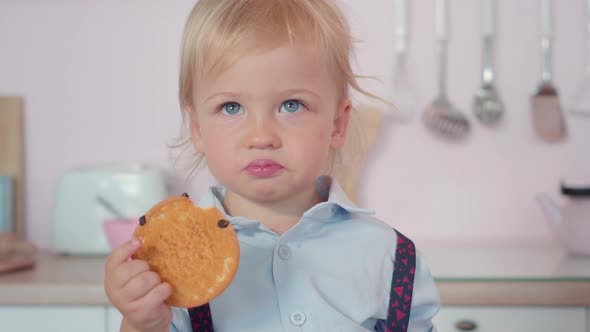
(527, 275)
(508, 274)
(56, 280)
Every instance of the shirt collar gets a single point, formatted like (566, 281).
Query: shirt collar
(336, 202)
(214, 198)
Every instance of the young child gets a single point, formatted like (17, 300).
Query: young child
(265, 86)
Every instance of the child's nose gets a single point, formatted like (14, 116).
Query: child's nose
(262, 133)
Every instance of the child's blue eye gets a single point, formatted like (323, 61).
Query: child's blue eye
(231, 108)
(291, 106)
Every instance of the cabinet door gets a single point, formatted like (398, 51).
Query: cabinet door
(113, 319)
(52, 318)
(511, 319)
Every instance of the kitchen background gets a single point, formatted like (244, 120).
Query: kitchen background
(99, 80)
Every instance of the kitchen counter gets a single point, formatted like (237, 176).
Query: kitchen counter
(56, 280)
(511, 275)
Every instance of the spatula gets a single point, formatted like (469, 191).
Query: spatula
(547, 117)
(580, 103)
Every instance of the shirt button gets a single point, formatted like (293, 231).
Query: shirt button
(298, 318)
(284, 252)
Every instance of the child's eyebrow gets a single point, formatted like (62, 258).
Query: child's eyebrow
(231, 95)
(305, 91)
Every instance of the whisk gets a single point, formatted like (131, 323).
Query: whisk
(441, 117)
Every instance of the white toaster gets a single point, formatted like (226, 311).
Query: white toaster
(80, 209)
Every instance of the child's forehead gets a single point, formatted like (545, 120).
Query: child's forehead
(303, 55)
(218, 59)
(288, 66)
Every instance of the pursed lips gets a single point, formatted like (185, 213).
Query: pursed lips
(263, 168)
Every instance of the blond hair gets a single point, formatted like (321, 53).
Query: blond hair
(218, 32)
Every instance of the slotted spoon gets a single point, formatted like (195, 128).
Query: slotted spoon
(487, 105)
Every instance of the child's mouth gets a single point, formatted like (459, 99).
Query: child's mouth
(263, 168)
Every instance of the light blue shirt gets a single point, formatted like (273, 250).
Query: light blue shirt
(330, 272)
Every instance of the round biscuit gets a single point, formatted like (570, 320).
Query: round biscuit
(195, 250)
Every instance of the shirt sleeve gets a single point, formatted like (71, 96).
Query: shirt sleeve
(181, 321)
(425, 299)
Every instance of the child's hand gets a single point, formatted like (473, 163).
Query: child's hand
(136, 291)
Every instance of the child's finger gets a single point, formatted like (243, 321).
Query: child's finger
(122, 253)
(141, 285)
(156, 296)
(127, 271)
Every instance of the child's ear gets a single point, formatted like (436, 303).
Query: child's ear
(196, 136)
(341, 120)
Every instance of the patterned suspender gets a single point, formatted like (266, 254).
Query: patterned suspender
(201, 318)
(402, 284)
(400, 297)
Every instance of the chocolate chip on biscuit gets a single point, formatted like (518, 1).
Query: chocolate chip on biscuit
(222, 223)
(142, 220)
(185, 195)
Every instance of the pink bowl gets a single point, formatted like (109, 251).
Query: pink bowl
(119, 231)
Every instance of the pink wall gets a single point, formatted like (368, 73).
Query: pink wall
(100, 81)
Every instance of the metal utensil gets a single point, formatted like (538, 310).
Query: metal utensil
(441, 117)
(108, 206)
(487, 105)
(546, 114)
(580, 103)
(404, 95)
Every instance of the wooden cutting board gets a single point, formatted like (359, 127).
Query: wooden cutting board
(12, 151)
(16, 262)
(15, 254)
(363, 128)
